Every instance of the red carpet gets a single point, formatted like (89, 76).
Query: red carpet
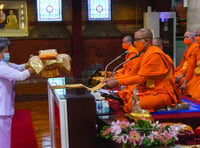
(23, 135)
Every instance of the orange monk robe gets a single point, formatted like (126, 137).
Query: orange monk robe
(154, 76)
(172, 71)
(126, 93)
(193, 75)
(127, 67)
(182, 68)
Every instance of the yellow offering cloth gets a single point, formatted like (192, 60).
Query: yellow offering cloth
(50, 67)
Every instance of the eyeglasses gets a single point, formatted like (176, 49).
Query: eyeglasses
(197, 35)
(137, 39)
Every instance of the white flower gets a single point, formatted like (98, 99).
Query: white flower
(125, 138)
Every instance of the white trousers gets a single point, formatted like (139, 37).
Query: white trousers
(5, 131)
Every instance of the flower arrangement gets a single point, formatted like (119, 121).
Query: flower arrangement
(144, 133)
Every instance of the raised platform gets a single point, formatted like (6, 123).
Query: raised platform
(189, 116)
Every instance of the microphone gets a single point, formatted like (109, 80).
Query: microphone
(137, 55)
(115, 59)
(124, 53)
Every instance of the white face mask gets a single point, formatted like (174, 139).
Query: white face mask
(6, 57)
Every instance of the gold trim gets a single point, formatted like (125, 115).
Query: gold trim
(79, 85)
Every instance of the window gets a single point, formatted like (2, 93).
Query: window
(99, 10)
(49, 10)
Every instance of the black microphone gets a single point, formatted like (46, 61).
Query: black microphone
(115, 59)
(137, 55)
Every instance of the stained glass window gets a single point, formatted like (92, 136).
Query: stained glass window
(49, 10)
(99, 10)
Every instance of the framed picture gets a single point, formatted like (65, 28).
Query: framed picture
(13, 19)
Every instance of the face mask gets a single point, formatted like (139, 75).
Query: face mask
(187, 41)
(197, 39)
(6, 57)
(139, 45)
(125, 45)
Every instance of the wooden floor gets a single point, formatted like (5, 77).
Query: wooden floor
(40, 119)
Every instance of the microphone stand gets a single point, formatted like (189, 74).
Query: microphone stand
(137, 55)
(115, 59)
(113, 72)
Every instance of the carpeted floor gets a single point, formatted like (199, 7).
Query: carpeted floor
(23, 135)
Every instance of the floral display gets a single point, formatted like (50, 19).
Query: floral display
(144, 133)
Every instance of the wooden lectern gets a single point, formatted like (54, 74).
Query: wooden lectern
(72, 118)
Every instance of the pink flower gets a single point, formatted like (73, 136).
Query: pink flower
(151, 137)
(133, 133)
(116, 129)
(124, 124)
(134, 137)
(107, 131)
(165, 136)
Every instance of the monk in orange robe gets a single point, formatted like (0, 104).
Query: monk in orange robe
(156, 84)
(125, 94)
(159, 43)
(191, 82)
(132, 51)
(181, 70)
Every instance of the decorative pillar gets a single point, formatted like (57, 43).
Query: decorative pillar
(193, 17)
(77, 49)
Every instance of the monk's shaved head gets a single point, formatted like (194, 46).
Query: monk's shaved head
(157, 41)
(197, 31)
(146, 33)
(190, 34)
(129, 38)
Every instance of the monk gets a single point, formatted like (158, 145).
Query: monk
(156, 89)
(159, 43)
(191, 82)
(125, 94)
(127, 44)
(181, 70)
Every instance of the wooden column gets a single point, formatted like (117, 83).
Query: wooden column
(77, 49)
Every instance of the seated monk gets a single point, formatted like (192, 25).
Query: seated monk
(181, 70)
(156, 87)
(132, 51)
(191, 83)
(125, 94)
(159, 43)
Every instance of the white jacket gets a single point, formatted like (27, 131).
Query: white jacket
(9, 73)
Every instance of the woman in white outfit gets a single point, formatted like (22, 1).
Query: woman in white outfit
(9, 73)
